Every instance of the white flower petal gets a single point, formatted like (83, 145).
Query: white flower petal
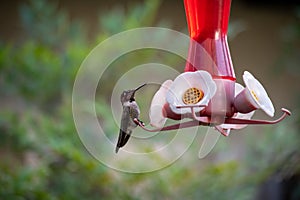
(260, 95)
(238, 88)
(201, 80)
(156, 109)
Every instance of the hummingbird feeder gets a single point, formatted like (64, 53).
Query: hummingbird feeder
(207, 91)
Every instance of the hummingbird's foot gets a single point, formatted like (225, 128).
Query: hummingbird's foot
(138, 122)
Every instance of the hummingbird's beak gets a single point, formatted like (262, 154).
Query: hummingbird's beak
(140, 87)
(137, 89)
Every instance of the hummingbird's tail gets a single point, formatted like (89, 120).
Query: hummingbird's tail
(123, 139)
(117, 149)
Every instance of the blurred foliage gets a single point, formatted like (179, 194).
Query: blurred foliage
(41, 154)
(289, 58)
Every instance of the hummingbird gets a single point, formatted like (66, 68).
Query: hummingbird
(131, 111)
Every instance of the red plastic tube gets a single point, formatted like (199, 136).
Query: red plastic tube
(208, 24)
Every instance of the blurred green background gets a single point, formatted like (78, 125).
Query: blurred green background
(42, 44)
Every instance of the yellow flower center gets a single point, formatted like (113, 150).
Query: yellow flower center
(192, 96)
(254, 95)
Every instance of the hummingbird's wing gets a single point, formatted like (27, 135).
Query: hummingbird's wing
(124, 133)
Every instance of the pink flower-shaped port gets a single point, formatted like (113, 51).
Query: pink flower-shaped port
(157, 118)
(191, 88)
(253, 97)
(238, 89)
(160, 108)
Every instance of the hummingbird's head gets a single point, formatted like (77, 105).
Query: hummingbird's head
(128, 95)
